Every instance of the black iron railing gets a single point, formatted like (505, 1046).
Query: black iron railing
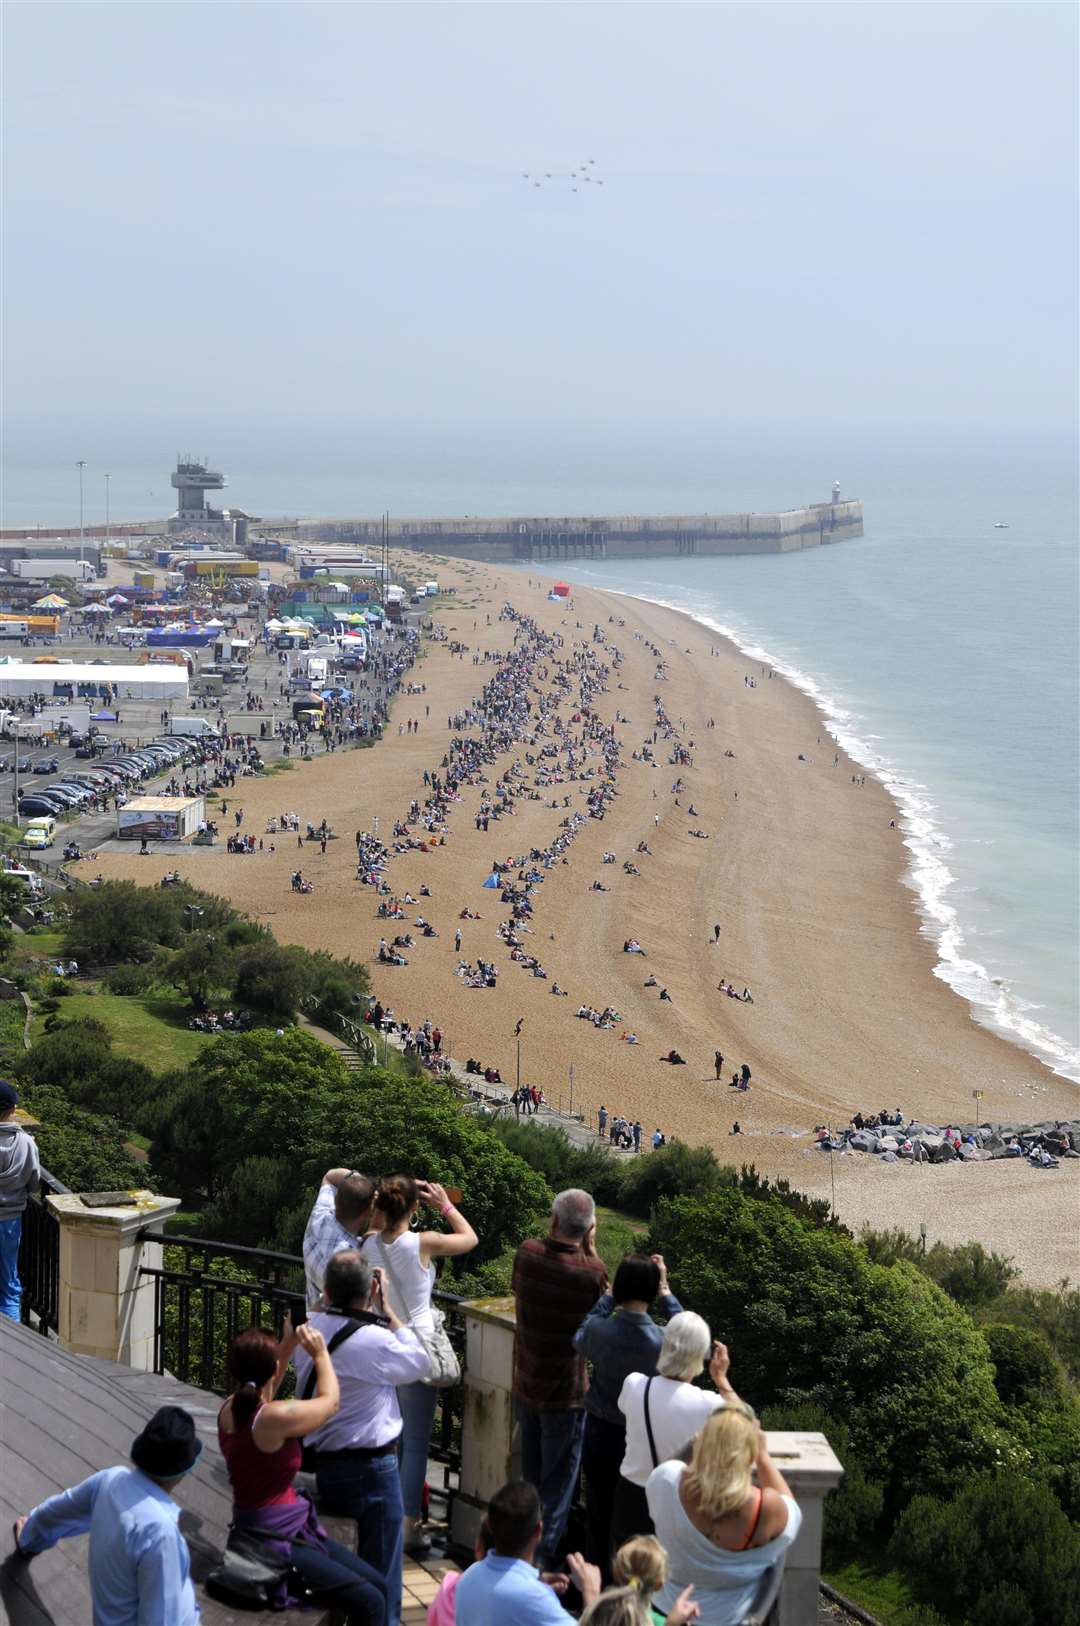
(39, 1259)
(207, 1292)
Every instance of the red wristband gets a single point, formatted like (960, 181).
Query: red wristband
(447, 1208)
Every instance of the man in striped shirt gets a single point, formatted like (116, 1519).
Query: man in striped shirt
(556, 1282)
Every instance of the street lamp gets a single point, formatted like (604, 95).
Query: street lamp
(15, 726)
(106, 508)
(80, 465)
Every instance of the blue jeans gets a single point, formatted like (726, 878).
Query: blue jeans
(368, 1489)
(418, 1402)
(343, 1581)
(551, 1444)
(10, 1285)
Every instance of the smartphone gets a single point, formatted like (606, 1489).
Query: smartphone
(298, 1312)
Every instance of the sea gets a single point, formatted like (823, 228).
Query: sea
(943, 651)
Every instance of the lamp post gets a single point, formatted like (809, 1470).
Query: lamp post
(80, 465)
(16, 737)
(107, 508)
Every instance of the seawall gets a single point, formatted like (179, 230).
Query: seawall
(628, 536)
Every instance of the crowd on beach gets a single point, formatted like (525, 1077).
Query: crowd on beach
(684, 1506)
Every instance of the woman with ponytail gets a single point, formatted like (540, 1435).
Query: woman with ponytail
(260, 1440)
(405, 1254)
(720, 1529)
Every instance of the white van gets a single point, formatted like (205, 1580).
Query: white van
(194, 727)
(40, 832)
(32, 883)
(431, 589)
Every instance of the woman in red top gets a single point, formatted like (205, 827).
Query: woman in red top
(260, 1441)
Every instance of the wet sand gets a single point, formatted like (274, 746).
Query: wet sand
(802, 873)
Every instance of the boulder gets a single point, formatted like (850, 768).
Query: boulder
(863, 1141)
(888, 1143)
(942, 1152)
(891, 1157)
(1074, 1139)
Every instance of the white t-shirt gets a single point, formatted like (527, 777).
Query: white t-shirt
(724, 1582)
(677, 1411)
(408, 1281)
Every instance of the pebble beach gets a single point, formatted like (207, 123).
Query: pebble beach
(803, 873)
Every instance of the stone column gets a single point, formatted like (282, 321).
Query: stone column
(106, 1307)
(812, 1469)
(489, 1456)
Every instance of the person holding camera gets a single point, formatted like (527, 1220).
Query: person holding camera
(372, 1355)
(405, 1254)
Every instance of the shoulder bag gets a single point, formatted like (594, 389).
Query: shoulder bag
(648, 1424)
(252, 1574)
(445, 1367)
(309, 1460)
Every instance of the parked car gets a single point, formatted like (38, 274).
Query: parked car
(47, 765)
(40, 803)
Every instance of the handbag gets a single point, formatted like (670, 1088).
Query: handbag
(251, 1573)
(445, 1366)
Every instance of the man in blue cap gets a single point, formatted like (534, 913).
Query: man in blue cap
(19, 1175)
(140, 1567)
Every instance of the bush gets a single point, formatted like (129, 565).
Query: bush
(852, 1511)
(968, 1273)
(668, 1172)
(1026, 1371)
(77, 1058)
(1054, 1312)
(999, 1552)
(271, 980)
(84, 1150)
(130, 979)
(809, 1318)
(562, 1164)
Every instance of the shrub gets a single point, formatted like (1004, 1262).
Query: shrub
(809, 1318)
(129, 979)
(1000, 1551)
(668, 1172)
(562, 1164)
(852, 1511)
(1026, 1371)
(84, 1150)
(968, 1273)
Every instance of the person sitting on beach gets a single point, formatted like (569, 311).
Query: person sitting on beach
(665, 995)
(650, 981)
(674, 1058)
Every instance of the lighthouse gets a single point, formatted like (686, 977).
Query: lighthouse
(836, 491)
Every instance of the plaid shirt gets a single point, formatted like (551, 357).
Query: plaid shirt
(555, 1286)
(323, 1237)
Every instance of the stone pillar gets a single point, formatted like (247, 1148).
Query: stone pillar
(106, 1307)
(812, 1469)
(490, 1456)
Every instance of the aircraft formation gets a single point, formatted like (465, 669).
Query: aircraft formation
(575, 179)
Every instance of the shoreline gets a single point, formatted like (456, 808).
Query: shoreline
(927, 876)
(801, 872)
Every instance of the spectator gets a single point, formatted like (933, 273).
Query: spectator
(356, 1451)
(617, 1345)
(341, 1213)
(405, 1257)
(503, 1589)
(19, 1176)
(140, 1567)
(723, 1533)
(260, 1441)
(640, 1569)
(663, 1413)
(555, 1280)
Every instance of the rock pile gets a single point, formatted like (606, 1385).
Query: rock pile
(966, 1143)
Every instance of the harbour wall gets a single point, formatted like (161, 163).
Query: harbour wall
(628, 536)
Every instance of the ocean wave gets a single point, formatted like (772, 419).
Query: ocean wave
(993, 1001)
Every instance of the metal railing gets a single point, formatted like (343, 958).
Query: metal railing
(207, 1292)
(39, 1259)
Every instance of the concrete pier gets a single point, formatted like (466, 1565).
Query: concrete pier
(627, 536)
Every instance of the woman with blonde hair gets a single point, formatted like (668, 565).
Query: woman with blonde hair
(640, 1569)
(721, 1530)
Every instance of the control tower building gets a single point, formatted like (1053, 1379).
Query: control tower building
(192, 480)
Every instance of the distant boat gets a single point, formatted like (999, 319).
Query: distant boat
(1001, 525)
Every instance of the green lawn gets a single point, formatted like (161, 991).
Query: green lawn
(617, 1234)
(881, 1592)
(12, 1018)
(148, 1027)
(37, 944)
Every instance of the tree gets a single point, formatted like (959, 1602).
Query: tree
(122, 921)
(199, 966)
(246, 1095)
(999, 1546)
(1026, 1371)
(809, 1318)
(77, 1058)
(271, 980)
(84, 1150)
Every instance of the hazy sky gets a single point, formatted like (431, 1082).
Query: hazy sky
(856, 214)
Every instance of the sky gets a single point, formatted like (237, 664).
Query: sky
(300, 214)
